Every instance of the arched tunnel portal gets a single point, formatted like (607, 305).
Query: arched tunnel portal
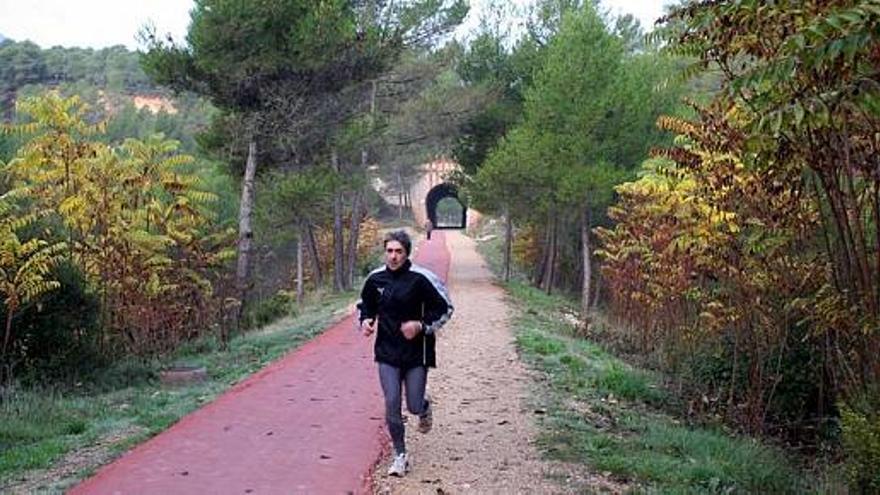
(445, 209)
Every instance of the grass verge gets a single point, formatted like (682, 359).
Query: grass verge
(614, 418)
(50, 429)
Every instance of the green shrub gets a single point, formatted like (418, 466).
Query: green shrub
(58, 338)
(268, 310)
(124, 372)
(540, 344)
(791, 371)
(631, 384)
(861, 442)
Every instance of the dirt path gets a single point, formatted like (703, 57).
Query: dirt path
(484, 431)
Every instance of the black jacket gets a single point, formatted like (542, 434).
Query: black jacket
(408, 293)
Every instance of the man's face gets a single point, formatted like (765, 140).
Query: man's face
(395, 255)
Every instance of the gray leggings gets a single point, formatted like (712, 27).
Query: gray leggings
(391, 378)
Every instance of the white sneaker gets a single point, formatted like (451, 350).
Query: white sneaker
(399, 466)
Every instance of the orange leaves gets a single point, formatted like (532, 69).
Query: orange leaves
(705, 249)
(677, 125)
(369, 237)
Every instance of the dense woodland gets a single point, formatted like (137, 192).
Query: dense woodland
(708, 192)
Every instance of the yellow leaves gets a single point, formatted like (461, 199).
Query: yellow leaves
(73, 206)
(20, 129)
(177, 161)
(717, 217)
(676, 125)
(176, 184)
(199, 280)
(8, 253)
(202, 197)
(53, 112)
(681, 258)
(32, 289)
(26, 266)
(146, 241)
(155, 287)
(136, 216)
(221, 256)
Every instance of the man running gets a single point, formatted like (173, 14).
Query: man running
(405, 305)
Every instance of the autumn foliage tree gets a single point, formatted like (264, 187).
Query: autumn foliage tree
(761, 240)
(136, 222)
(708, 255)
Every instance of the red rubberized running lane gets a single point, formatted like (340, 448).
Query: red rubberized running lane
(311, 422)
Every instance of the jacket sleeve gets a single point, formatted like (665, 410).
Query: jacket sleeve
(437, 305)
(368, 306)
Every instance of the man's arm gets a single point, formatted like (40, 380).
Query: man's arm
(438, 307)
(368, 307)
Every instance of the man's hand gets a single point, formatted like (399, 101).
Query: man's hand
(368, 326)
(411, 328)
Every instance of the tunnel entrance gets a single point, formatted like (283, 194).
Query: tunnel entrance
(445, 210)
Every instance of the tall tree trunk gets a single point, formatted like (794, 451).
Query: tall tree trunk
(840, 268)
(838, 205)
(554, 254)
(338, 238)
(838, 212)
(587, 252)
(731, 398)
(358, 210)
(545, 256)
(861, 245)
(550, 268)
(313, 254)
(508, 243)
(400, 198)
(300, 289)
(353, 235)
(245, 229)
(876, 212)
(856, 218)
(597, 291)
(7, 336)
(356, 213)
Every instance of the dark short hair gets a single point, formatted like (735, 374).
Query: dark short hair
(400, 236)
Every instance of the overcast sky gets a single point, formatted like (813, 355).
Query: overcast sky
(101, 23)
